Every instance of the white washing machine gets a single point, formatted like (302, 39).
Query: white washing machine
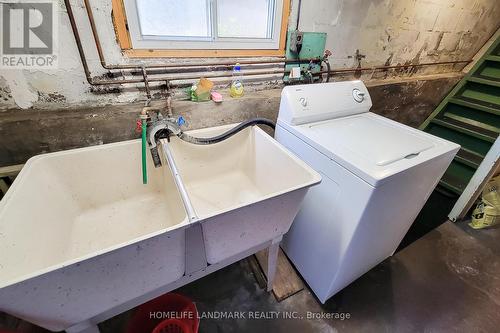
(377, 175)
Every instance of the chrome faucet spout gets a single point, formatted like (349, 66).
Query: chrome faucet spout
(160, 125)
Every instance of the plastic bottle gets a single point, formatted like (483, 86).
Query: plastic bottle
(236, 89)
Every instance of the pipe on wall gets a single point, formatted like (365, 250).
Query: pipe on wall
(331, 72)
(373, 68)
(104, 64)
(142, 68)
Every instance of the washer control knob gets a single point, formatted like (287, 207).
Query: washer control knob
(303, 101)
(358, 95)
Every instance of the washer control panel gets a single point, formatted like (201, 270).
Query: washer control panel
(301, 104)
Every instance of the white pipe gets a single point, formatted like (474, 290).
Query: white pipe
(178, 181)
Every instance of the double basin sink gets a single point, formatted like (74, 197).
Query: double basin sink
(80, 233)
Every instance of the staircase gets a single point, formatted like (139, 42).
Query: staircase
(469, 116)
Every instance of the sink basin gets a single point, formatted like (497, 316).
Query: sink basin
(78, 226)
(244, 190)
(81, 238)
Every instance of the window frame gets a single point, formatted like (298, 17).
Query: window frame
(125, 33)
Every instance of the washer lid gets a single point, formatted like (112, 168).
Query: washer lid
(376, 142)
(370, 146)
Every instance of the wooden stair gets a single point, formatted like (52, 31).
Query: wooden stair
(469, 116)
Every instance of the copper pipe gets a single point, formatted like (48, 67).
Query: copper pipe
(140, 67)
(179, 78)
(218, 64)
(210, 76)
(90, 15)
(98, 82)
(77, 38)
(146, 83)
(100, 52)
(90, 79)
(353, 69)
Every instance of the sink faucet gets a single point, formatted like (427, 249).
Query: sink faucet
(156, 126)
(159, 126)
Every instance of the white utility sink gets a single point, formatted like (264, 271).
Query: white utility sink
(81, 238)
(78, 229)
(244, 190)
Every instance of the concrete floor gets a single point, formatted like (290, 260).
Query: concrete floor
(449, 280)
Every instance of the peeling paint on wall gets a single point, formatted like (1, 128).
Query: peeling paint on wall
(5, 93)
(20, 90)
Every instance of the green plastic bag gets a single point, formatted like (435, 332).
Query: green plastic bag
(487, 212)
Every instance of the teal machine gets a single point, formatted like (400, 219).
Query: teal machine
(304, 45)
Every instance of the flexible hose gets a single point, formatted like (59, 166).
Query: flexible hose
(228, 134)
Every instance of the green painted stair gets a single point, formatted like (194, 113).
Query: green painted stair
(469, 116)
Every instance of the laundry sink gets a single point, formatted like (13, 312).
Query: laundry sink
(79, 231)
(81, 238)
(245, 189)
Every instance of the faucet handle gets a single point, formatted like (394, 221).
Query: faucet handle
(138, 126)
(181, 121)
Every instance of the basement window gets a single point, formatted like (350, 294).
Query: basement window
(188, 27)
